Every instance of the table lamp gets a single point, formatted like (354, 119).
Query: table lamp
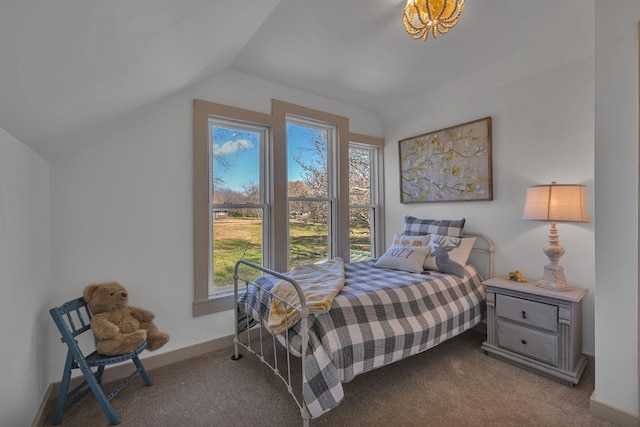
(555, 203)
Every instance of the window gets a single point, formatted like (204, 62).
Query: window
(273, 189)
(363, 202)
(311, 191)
(238, 198)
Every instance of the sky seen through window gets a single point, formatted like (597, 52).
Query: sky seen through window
(239, 151)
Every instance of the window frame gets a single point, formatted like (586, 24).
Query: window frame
(377, 191)
(277, 249)
(374, 204)
(263, 202)
(332, 181)
(203, 303)
(281, 111)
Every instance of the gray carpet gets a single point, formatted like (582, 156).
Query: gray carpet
(453, 384)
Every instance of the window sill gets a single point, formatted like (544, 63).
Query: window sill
(214, 304)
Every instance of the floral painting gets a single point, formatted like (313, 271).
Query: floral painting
(452, 164)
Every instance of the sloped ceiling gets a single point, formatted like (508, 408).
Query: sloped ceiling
(70, 66)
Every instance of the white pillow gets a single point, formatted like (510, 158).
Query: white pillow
(409, 257)
(449, 254)
(404, 240)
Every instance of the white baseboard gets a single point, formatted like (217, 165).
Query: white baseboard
(157, 360)
(613, 415)
(45, 405)
(123, 370)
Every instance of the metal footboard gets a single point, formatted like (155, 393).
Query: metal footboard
(260, 334)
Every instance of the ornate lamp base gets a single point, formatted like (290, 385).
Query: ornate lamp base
(553, 278)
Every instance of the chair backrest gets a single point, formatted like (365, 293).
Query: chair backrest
(72, 318)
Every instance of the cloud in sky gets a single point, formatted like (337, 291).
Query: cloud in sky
(232, 147)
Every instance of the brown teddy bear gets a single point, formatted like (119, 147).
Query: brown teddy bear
(117, 327)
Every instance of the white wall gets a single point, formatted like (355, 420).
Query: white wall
(616, 169)
(122, 204)
(541, 103)
(25, 279)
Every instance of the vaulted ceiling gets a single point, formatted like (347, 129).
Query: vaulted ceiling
(69, 67)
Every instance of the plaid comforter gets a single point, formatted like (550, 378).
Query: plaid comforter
(381, 316)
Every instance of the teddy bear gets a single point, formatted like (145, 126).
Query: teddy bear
(117, 327)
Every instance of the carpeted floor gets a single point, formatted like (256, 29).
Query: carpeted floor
(453, 384)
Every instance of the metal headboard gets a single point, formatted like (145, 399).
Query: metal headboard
(483, 244)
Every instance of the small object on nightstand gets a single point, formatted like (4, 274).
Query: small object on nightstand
(517, 276)
(535, 328)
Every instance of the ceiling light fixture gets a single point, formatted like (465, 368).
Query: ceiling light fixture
(422, 17)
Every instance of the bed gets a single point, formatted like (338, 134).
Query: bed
(380, 316)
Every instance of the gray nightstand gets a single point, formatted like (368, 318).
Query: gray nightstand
(536, 328)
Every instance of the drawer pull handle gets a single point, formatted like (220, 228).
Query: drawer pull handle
(524, 342)
(524, 314)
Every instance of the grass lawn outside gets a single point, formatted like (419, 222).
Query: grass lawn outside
(241, 238)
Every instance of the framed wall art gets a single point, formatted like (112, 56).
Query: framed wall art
(447, 165)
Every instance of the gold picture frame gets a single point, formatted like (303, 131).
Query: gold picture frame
(447, 165)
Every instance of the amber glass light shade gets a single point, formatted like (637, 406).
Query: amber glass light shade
(422, 17)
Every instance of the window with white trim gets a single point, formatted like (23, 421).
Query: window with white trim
(311, 191)
(364, 211)
(279, 190)
(239, 197)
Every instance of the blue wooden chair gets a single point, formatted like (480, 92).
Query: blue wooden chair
(72, 319)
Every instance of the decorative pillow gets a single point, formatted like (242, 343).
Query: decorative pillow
(449, 254)
(404, 240)
(419, 227)
(406, 258)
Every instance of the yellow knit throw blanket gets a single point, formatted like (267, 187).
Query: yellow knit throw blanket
(320, 284)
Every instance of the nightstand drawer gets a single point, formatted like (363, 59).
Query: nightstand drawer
(535, 344)
(532, 313)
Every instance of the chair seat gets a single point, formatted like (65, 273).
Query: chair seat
(97, 359)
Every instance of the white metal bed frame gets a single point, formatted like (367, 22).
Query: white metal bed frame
(259, 349)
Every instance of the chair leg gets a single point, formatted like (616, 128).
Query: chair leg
(64, 390)
(143, 371)
(98, 374)
(94, 381)
(99, 393)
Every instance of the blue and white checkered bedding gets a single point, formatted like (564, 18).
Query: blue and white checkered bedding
(381, 316)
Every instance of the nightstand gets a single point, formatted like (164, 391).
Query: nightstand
(535, 328)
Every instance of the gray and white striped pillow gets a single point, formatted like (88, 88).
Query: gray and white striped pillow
(419, 227)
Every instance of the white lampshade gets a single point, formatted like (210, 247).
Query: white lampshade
(556, 202)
